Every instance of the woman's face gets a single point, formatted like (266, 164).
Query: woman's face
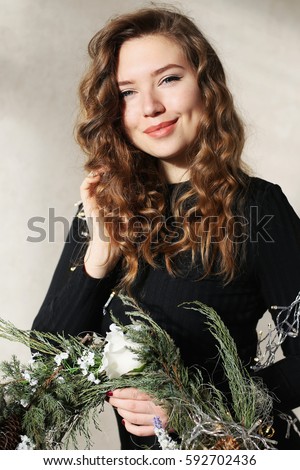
(161, 100)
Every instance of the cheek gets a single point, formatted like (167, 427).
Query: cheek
(194, 111)
(186, 102)
(193, 100)
(130, 120)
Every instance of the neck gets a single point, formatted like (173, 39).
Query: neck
(174, 174)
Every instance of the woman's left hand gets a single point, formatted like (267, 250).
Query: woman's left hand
(137, 410)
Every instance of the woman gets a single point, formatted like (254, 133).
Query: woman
(172, 214)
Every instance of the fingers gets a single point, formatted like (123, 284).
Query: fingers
(140, 423)
(134, 406)
(137, 410)
(140, 431)
(133, 401)
(93, 174)
(87, 193)
(90, 181)
(138, 419)
(130, 393)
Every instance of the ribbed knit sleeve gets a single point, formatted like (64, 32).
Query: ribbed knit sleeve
(74, 301)
(278, 272)
(278, 237)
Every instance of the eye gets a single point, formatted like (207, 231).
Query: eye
(126, 93)
(171, 78)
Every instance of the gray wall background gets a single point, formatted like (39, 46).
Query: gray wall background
(42, 57)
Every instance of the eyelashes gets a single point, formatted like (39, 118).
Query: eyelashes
(165, 81)
(126, 93)
(171, 78)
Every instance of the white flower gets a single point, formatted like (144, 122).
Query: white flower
(118, 359)
(60, 357)
(24, 403)
(32, 360)
(27, 376)
(92, 378)
(89, 358)
(85, 361)
(25, 444)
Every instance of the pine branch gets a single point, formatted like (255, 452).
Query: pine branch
(56, 399)
(250, 399)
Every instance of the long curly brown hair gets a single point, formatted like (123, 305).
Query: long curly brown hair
(132, 196)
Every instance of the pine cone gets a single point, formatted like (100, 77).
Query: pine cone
(226, 443)
(10, 432)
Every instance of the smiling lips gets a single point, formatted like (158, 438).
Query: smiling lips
(162, 129)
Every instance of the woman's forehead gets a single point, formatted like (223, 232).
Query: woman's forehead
(148, 54)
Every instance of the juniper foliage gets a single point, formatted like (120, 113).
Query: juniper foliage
(56, 401)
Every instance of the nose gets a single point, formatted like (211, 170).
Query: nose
(152, 104)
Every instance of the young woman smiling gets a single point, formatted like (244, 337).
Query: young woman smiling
(173, 214)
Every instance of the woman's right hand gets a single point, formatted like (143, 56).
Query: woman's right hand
(102, 253)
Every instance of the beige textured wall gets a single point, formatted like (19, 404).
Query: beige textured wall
(42, 55)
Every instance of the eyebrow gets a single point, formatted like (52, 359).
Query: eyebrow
(153, 74)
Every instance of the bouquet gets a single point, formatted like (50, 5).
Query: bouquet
(46, 403)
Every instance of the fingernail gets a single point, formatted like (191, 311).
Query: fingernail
(109, 394)
(123, 422)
